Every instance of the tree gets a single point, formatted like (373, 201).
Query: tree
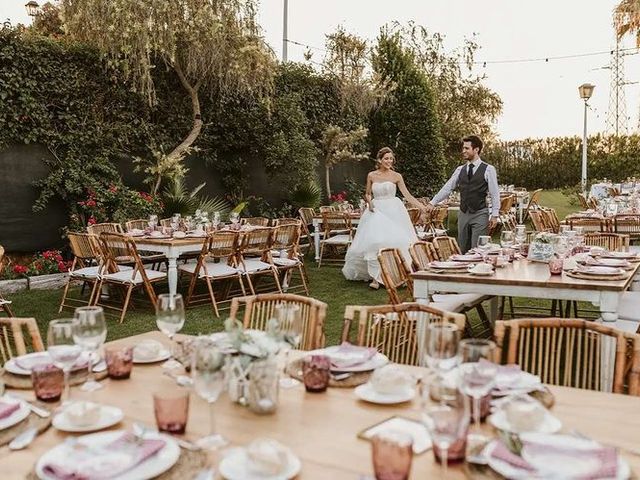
(341, 146)
(407, 121)
(48, 22)
(626, 19)
(212, 44)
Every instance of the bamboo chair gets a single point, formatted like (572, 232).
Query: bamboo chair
(337, 233)
(611, 241)
(395, 275)
(4, 303)
(614, 192)
(19, 336)
(113, 274)
(627, 224)
(584, 202)
(98, 228)
(139, 224)
(328, 209)
(287, 221)
(255, 221)
(507, 218)
(254, 256)
(217, 263)
(534, 200)
(259, 309)
(392, 329)
(85, 268)
(306, 216)
(438, 217)
(165, 222)
(414, 215)
(538, 220)
(286, 240)
(422, 254)
(550, 218)
(567, 352)
(445, 247)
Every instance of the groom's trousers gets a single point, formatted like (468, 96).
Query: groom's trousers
(470, 227)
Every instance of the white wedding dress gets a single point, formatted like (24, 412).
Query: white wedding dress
(388, 226)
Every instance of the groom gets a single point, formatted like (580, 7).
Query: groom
(474, 179)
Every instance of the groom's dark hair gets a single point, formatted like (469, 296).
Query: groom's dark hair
(475, 141)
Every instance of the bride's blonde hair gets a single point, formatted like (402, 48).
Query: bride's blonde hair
(381, 153)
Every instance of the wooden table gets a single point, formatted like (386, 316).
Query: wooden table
(172, 248)
(321, 428)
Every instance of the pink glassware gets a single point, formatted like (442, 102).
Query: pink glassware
(119, 362)
(171, 411)
(555, 266)
(316, 372)
(392, 454)
(48, 382)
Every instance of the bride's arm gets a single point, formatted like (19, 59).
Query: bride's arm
(367, 194)
(410, 198)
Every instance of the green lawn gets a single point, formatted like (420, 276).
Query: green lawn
(326, 284)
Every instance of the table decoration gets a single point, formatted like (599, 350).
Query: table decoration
(541, 248)
(262, 391)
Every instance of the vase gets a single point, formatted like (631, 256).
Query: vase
(262, 392)
(237, 379)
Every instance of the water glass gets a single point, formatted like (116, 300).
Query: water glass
(290, 327)
(441, 350)
(316, 372)
(555, 265)
(119, 362)
(234, 217)
(447, 425)
(170, 319)
(48, 382)
(484, 241)
(392, 454)
(263, 386)
(62, 348)
(507, 238)
(153, 222)
(171, 410)
(90, 333)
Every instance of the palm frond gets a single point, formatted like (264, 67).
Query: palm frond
(177, 199)
(306, 195)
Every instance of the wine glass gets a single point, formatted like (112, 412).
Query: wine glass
(506, 238)
(175, 221)
(153, 222)
(208, 373)
(441, 351)
(62, 348)
(234, 217)
(289, 325)
(483, 241)
(477, 378)
(170, 320)
(215, 221)
(90, 332)
(446, 424)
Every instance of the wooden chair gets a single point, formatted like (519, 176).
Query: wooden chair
(259, 309)
(85, 268)
(98, 228)
(628, 225)
(438, 217)
(337, 234)
(538, 220)
(216, 264)
(392, 329)
(306, 216)
(255, 221)
(550, 218)
(568, 352)
(19, 336)
(285, 241)
(287, 221)
(611, 241)
(506, 216)
(126, 280)
(414, 215)
(584, 203)
(445, 247)
(422, 254)
(395, 275)
(4, 303)
(328, 209)
(165, 222)
(534, 202)
(139, 224)
(254, 256)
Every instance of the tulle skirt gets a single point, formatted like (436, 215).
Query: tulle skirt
(388, 226)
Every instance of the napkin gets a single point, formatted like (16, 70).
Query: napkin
(90, 463)
(511, 377)
(348, 355)
(32, 361)
(267, 457)
(7, 409)
(502, 453)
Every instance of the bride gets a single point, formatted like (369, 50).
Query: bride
(385, 223)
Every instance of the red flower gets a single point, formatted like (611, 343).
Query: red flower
(92, 221)
(38, 266)
(62, 267)
(90, 203)
(113, 188)
(58, 257)
(19, 269)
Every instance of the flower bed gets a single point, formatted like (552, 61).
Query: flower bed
(45, 270)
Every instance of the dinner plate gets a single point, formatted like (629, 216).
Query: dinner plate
(17, 416)
(466, 258)
(610, 262)
(550, 424)
(377, 361)
(12, 367)
(624, 255)
(449, 265)
(109, 416)
(158, 237)
(236, 466)
(163, 354)
(595, 270)
(153, 466)
(480, 274)
(367, 393)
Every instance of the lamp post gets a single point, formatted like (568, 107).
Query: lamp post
(586, 90)
(32, 8)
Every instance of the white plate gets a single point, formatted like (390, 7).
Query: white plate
(235, 466)
(449, 265)
(377, 361)
(12, 367)
(480, 274)
(17, 416)
(163, 354)
(157, 237)
(624, 255)
(153, 466)
(550, 424)
(109, 416)
(368, 394)
(593, 270)
(466, 258)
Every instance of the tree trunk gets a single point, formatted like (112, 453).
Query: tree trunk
(327, 171)
(179, 151)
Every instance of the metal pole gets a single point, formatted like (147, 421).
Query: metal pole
(584, 152)
(284, 30)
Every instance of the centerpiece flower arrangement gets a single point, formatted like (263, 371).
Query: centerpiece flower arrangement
(541, 249)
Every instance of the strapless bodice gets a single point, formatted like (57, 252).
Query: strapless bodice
(383, 190)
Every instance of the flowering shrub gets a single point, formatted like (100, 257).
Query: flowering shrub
(338, 197)
(44, 263)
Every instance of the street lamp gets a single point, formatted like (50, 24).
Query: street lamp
(32, 8)
(586, 90)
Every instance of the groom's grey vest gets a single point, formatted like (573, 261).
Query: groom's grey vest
(473, 192)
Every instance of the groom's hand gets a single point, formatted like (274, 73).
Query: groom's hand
(493, 222)
(429, 207)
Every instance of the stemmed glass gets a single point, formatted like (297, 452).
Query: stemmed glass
(506, 238)
(62, 348)
(441, 351)
(153, 222)
(215, 221)
(483, 241)
(90, 332)
(175, 221)
(289, 319)
(234, 217)
(446, 424)
(170, 320)
(209, 381)
(477, 377)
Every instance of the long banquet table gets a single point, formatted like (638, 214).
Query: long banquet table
(321, 428)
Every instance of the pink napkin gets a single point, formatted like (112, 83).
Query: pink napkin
(348, 355)
(501, 452)
(7, 409)
(126, 443)
(608, 457)
(30, 362)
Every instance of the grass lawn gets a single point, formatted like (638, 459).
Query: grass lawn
(326, 284)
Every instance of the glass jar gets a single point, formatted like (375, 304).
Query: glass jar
(316, 372)
(263, 385)
(237, 379)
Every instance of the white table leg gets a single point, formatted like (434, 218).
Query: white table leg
(172, 274)
(316, 237)
(609, 306)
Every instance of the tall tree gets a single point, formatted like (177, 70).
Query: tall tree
(208, 43)
(626, 19)
(340, 146)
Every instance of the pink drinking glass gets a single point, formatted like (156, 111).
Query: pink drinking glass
(119, 362)
(48, 382)
(316, 373)
(171, 410)
(392, 453)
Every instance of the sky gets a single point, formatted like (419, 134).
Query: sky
(540, 98)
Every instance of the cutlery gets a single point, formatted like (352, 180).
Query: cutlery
(140, 430)
(101, 366)
(41, 412)
(341, 376)
(24, 439)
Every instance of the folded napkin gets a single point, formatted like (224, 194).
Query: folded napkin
(32, 361)
(90, 463)
(511, 377)
(502, 453)
(347, 355)
(7, 409)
